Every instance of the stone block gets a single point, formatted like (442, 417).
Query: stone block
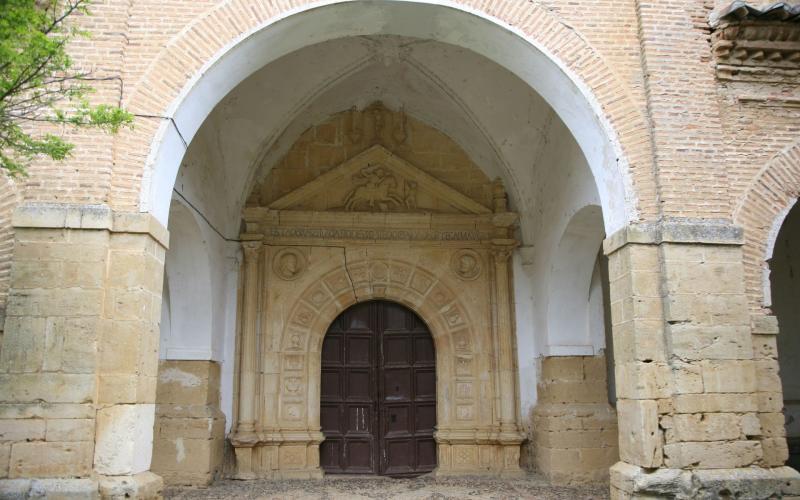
(562, 368)
(770, 401)
(46, 410)
(113, 389)
(145, 485)
(687, 378)
(637, 482)
(119, 348)
(76, 429)
(640, 440)
(767, 377)
(704, 427)
(41, 460)
(123, 304)
(71, 344)
(5, 458)
(773, 425)
(638, 380)
(765, 347)
(124, 439)
(646, 284)
(22, 430)
(23, 348)
(188, 382)
(729, 376)
(764, 324)
(577, 439)
(49, 387)
(639, 340)
(83, 274)
(752, 482)
(67, 302)
(776, 451)
(751, 425)
(712, 455)
(700, 403)
(697, 342)
(574, 392)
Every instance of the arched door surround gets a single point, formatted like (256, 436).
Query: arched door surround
(304, 264)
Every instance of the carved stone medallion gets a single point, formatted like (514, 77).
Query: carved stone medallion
(289, 264)
(466, 264)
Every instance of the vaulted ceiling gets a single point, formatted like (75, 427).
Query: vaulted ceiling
(505, 127)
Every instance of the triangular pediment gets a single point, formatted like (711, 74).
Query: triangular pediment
(378, 181)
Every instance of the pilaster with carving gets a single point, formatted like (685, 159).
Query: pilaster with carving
(245, 436)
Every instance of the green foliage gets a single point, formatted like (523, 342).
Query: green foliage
(38, 82)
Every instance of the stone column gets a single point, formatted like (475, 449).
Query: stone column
(508, 415)
(685, 374)
(80, 353)
(510, 436)
(245, 435)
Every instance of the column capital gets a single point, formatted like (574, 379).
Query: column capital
(676, 230)
(503, 248)
(251, 248)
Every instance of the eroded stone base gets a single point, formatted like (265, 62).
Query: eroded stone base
(630, 481)
(278, 457)
(144, 486)
(573, 428)
(189, 430)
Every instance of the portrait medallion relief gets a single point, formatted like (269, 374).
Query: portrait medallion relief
(466, 264)
(289, 264)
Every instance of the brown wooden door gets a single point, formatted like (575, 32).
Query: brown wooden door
(378, 401)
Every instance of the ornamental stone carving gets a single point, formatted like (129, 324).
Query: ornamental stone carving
(288, 264)
(376, 227)
(466, 264)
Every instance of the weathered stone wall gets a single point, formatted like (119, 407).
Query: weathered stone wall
(189, 435)
(695, 393)
(79, 355)
(573, 427)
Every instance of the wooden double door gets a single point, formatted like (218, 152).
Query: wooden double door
(378, 392)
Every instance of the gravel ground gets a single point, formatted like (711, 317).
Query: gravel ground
(334, 488)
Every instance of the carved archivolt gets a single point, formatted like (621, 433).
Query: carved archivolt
(396, 280)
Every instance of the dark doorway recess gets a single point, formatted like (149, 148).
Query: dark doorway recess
(378, 401)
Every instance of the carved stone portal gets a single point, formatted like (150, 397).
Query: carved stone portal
(376, 227)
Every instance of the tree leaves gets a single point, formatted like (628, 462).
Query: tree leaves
(38, 85)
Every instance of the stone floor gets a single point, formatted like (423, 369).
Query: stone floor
(334, 488)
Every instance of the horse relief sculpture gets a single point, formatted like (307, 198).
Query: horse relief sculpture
(377, 189)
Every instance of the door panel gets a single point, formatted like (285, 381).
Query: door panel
(378, 405)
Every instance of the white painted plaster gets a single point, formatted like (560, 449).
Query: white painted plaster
(442, 21)
(190, 290)
(526, 340)
(572, 327)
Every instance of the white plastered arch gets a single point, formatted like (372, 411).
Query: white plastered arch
(439, 20)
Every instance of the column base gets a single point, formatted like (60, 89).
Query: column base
(143, 486)
(630, 481)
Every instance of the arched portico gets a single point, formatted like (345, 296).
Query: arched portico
(563, 80)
